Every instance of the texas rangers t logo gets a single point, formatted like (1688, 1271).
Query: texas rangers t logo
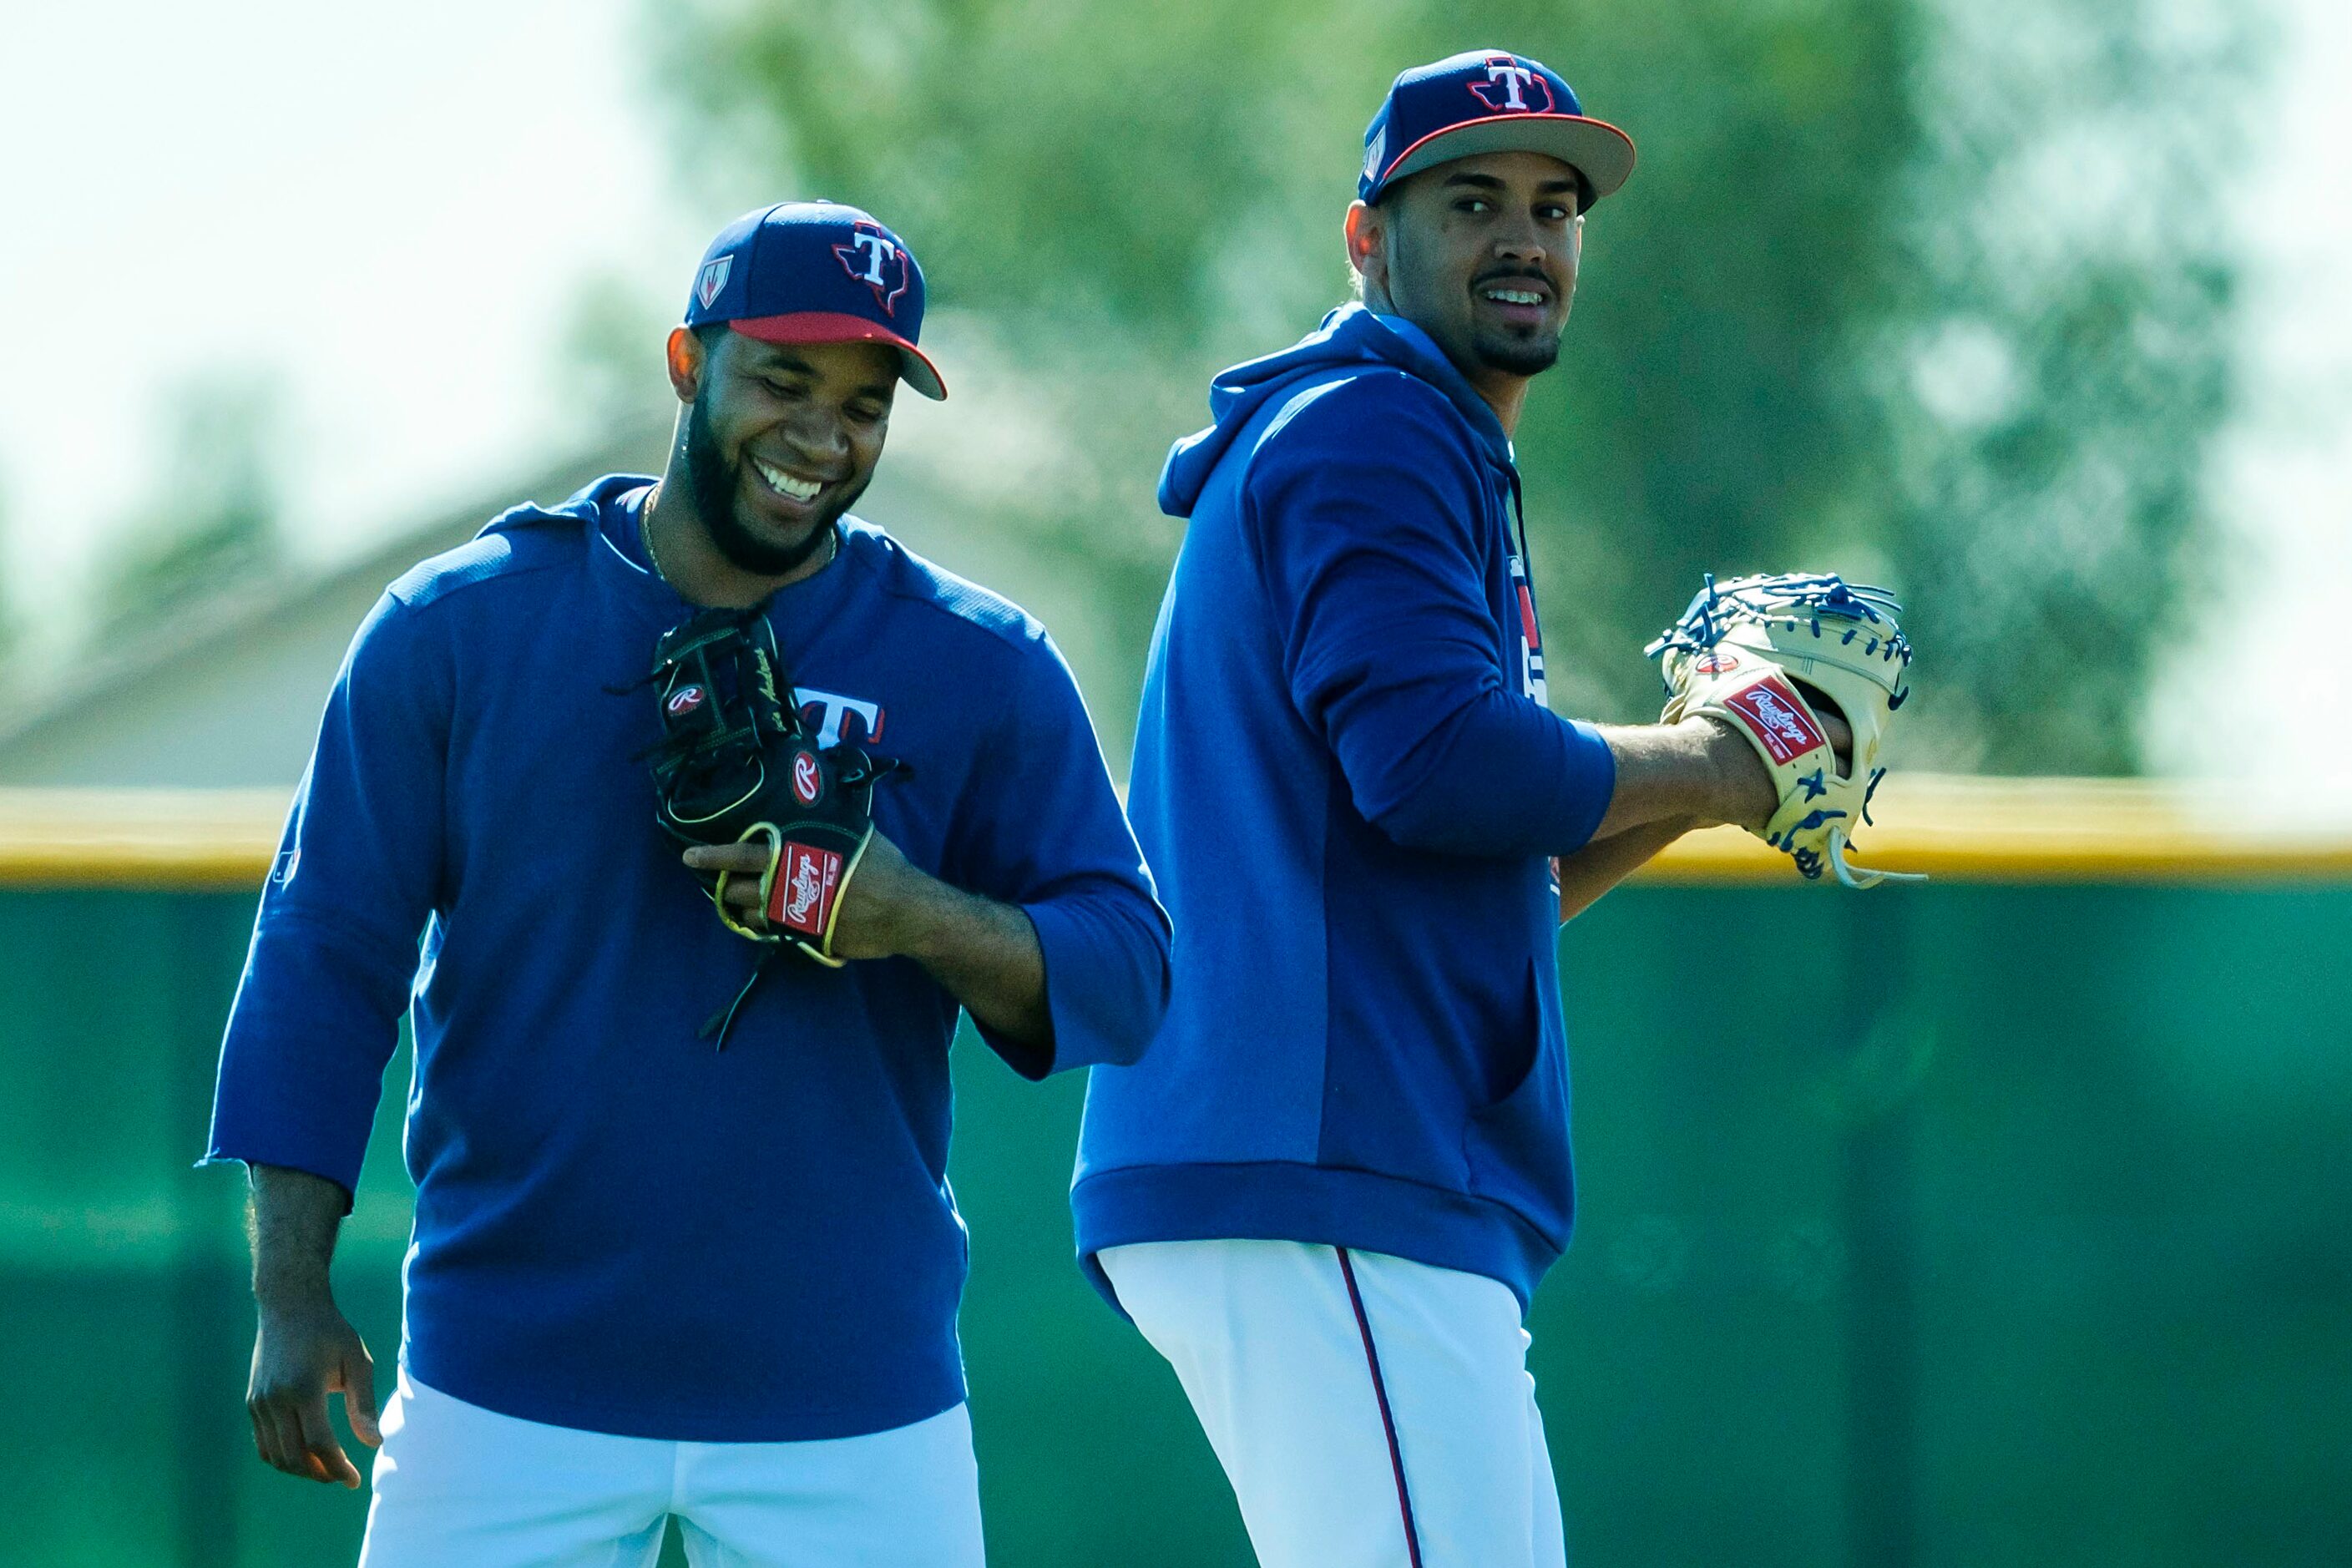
(1506, 87)
(875, 261)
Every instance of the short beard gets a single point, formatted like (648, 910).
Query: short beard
(1532, 357)
(714, 485)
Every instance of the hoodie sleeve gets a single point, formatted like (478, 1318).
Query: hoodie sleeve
(1365, 504)
(1044, 829)
(334, 948)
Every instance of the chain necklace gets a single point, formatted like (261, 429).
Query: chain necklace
(646, 532)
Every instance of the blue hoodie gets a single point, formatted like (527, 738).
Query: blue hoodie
(618, 1228)
(1348, 784)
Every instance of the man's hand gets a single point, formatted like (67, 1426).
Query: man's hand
(984, 952)
(303, 1352)
(1750, 790)
(878, 908)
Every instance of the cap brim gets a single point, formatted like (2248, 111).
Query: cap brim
(829, 327)
(1594, 148)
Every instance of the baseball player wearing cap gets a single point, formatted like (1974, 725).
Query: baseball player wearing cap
(648, 1277)
(1327, 1192)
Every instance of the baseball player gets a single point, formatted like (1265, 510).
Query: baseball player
(1327, 1192)
(649, 1277)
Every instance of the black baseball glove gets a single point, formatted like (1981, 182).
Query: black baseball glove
(736, 764)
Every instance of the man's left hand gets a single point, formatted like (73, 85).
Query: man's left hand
(879, 908)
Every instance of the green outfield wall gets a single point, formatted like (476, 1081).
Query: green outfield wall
(1951, 1225)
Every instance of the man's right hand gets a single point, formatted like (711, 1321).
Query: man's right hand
(303, 1352)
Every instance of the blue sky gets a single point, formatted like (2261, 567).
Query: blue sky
(396, 215)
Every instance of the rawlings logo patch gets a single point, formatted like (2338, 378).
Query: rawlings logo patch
(1774, 715)
(806, 884)
(1716, 664)
(684, 700)
(808, 782)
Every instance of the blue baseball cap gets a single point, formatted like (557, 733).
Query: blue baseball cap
(1488, 101)
(816, 272)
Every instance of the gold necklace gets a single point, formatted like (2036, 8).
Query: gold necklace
(646, 532)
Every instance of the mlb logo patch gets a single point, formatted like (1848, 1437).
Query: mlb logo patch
(713, 278)
(808, 880)
(1774, 716)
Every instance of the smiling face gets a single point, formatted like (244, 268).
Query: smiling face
(1481, 254)
(781, 438)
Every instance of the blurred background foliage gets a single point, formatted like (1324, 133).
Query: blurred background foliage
(1929, 291)
(213, 522)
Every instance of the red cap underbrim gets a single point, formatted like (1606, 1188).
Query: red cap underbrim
(831, 327)
(1594, 148)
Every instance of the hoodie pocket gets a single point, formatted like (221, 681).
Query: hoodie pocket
(1517, 1149)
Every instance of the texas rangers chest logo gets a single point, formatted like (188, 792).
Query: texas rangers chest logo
(1511, 88)
(836, 718)
(876, 261)
(1531, 664)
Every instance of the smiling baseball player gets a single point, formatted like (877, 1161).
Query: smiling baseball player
(1327, 1192)
(649, 1276)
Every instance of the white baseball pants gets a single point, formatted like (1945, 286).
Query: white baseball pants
(1371, 1413)
(458, 1486)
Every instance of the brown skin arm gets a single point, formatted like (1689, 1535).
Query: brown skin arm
(1603, 863)
(985, 953)
(303, 1348)
(1673, 779)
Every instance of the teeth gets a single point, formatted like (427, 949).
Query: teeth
(799, 490)
(1515, 295)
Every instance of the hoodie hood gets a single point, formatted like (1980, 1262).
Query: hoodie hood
(1352, 339)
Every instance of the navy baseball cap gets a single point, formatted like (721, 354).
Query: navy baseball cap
(1488, 101)
(816, 272)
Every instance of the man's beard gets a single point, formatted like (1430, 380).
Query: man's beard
(1517, 356)
(714, 485)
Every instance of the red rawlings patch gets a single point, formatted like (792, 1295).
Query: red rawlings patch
(807, 782)
(1716, 663)
(1774, 715)
(684, 699)
(807, 881)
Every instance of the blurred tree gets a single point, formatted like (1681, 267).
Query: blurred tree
(609, 364)
(1922, 290)
(212, 520)
(11, 632)
(2061, 360)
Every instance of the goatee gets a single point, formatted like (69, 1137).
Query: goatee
(1529, 356)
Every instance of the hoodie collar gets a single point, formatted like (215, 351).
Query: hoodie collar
(1352, 339)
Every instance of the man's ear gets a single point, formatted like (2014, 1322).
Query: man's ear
(686, 362)
(1365, 254)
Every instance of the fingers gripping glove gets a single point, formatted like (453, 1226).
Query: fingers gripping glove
(736, 764)
(1757, 653)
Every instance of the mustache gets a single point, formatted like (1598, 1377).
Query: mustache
(1505, 274)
